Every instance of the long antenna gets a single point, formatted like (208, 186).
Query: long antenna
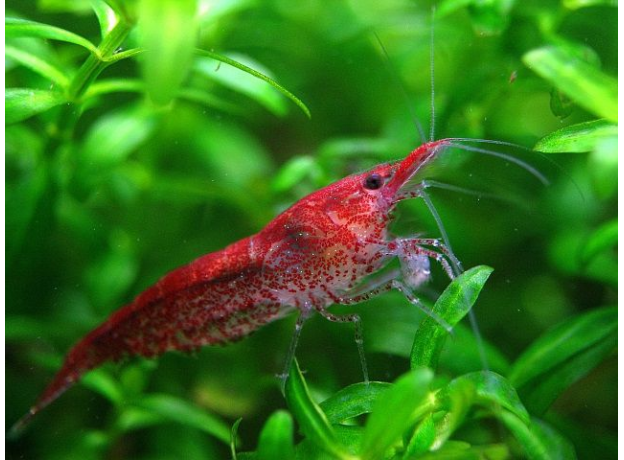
(456, 263)
(399, 83)
(432, 75)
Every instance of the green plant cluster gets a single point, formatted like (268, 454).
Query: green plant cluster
(141, 134)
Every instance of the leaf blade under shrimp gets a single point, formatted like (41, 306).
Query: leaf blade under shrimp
(454, 303)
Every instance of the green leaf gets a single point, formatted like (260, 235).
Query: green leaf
(108, 277)
(102, 87)
(167, 31)
(276, 437)
(228, 151)
(395, 335)
(463, 353)
(539, 395)
(563, 342)
(106, 16)
(585, 84)
(357, 147)
(23, 103)
(180, 411)
(490, 390)
(576, 4)
(115, 57)
(489, 17)
(485, 388)
(538, 441)
(348, 436)
(568, 254)
(115, 135)
(459, 450)
(422, 439)
(581, 137)
(558, 446)
(293, 172)
(23, 328)
(311, 418)
(15, 28)
(234, 437)
(604, 238)
(455, 399)
(102, 382)
(603, 166)
(354, 400)
(124, 85)
(454, 303)
(447, 7)
(133, 418)
(37, 65)
(561, 105)
(26, 191)
(351, 437)
(243, 82)
(395, 411)
(64, 6)
(259, 75)
(209, 100)
(564, 355)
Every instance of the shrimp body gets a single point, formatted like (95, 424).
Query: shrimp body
(325, 249)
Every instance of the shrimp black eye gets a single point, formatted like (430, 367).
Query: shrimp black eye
(373, 181)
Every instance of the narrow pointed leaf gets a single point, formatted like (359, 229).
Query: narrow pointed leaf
(180, 411)
(576, 4)
(491, 390)
(106, 16)
(563, 356)
(456, 399)
(603, 167)
(562, 343)
(209, 100)
(276, 437)
(581, 137)
(243, 82)
(132, 126)
(422, 439)
(234, 437)
(463, 353)
(348, 435)
(37, 65)
(311, 418)
(15, 28)
(459, 450)
(558, 446)
(167, 31)
(101, 87)
(294, 172)
(395, 411)
(23, 103)
(454, 303)
(586, 85)
(354, 400)
(539, 395)
(604, 238)
(255, 73)
(103, 383)
(123, 55)
(538, 441)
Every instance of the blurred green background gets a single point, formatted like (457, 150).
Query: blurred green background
(169, 155)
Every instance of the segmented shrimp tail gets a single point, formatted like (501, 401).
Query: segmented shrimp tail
(87, 354)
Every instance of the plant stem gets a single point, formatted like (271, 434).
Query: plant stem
(96, 62)
(87, 73)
